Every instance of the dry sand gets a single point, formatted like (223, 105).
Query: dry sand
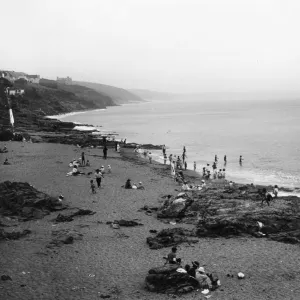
(115, 262)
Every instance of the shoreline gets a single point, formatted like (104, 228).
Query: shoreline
(288, 189)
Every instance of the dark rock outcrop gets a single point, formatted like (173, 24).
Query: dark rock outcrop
(166, 280)
(70, 217)
(172, 237)
(14, 235)
(219, 211)
(23, 200)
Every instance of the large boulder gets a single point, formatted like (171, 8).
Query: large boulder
(23, 200)
(172, 237)
(167, 280)
(175, 207)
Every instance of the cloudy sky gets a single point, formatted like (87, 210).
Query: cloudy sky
(165, 45)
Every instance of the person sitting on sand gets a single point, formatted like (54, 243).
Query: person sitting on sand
(140, 186)
(171, 257)
(6, 162)
(203, 279)
(87, 163)
(109, 169)
(275, 191)
(195, 266)
(128, 184)
(185, 186)
(102, 169)
(98, 176)
(93, 187)
(203, 184)
(75, 171)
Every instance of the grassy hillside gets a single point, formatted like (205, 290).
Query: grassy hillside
(118, 95)
(41, 100)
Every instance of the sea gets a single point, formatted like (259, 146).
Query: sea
(265, 133)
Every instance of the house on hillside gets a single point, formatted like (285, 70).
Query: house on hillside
(33, 78)
(15, 92)
(66, 81)
(7, 75)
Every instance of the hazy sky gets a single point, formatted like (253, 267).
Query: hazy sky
(164, 45)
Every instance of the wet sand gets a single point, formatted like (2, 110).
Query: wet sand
(114, 262)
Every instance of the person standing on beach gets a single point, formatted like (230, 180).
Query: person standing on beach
(105, 152)
(170, 158)
(150, 157)
(82, 159)
(241, 160)
(164, 149)
(118, 148)
(185, 165)
(173, 172)
(184, 150)
(165, 158)
(195, 166)
(93, 187)
(225, 159)
(216, 158)
(98, 176)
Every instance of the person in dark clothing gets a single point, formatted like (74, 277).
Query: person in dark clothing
(225, 159)
(105, 152)
(116, 146)
(192, 270)
(82, 159)
(266, 197)
(128, 184)
(98, 176)
(171, 258)
(185, 165)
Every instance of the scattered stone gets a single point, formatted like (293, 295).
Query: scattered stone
(14, 235)
(104, 296)
(153, 231)
(62, 237)
(6, 277)
(70, 217)
(172, 237)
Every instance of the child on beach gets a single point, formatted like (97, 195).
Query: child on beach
(165, 158)
(109, 169)
(102, 169)
(195, 166)
(185, 165)
(98, 176)
(93, 187)
(88, 163)
(170, 158)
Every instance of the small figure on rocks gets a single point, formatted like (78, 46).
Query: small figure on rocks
(203, 279)
(195, 266)
(195, 166)
(87, 163)
(93, 187)
(266, 197)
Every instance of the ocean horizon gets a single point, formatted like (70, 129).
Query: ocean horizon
(265, 133)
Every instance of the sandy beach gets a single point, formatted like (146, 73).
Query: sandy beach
(105, 261)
